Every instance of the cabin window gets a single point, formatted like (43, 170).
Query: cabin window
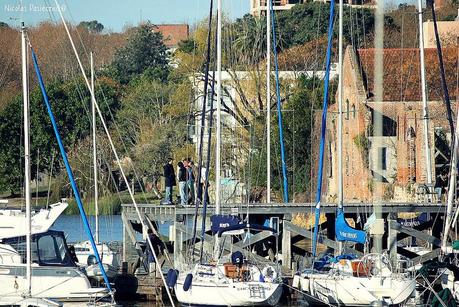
(382, 158)
(52, 251)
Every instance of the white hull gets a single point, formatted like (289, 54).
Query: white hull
(84, 249)
(355, 291)
(12, 221)
(210, 287)
(60, 283)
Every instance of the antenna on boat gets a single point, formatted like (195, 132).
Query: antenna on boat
(25, 96)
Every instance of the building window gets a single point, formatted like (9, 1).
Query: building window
(353, 111)
(347, 109)
(382, 158)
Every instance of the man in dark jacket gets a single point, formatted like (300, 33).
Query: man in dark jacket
(169, 175)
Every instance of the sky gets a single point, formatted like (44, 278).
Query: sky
(115, 14)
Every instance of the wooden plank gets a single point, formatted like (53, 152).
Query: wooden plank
(321, 238)
(416, 233)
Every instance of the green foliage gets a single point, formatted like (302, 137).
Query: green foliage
(70, 102)
(4, 25)
(187, 46)
(92, 26)
(107, 205)
(144, 52)
(363, 144)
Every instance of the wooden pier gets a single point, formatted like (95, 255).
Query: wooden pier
(290, 234)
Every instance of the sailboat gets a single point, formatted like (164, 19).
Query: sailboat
(37, 265)
(84, 251)
(346, 279)
(227, 280)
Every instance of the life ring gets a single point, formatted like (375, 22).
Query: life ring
(269, 273)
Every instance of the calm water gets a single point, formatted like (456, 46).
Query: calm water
(110, 227)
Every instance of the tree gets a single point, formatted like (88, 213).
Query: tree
(71, 103)
(92, 26)
(145, 52)
(4, 25)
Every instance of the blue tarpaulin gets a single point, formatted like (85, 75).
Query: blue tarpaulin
(344, 232)
(219, 222)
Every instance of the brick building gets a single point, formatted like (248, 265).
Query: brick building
(173, 33)
(391, 163)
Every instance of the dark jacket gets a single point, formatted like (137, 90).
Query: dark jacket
(182, 173)
(169, 175)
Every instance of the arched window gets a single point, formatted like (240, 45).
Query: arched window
(353, 111)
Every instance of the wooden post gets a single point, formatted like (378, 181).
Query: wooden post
(287, 248)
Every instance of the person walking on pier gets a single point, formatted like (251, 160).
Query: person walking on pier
(169, 181)
(158, 247)
(181, 175)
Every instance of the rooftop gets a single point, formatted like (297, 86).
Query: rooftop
(402, 73)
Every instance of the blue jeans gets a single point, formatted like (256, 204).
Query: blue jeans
(168, 196)
(183, 196)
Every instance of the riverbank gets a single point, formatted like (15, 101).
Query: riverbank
(108, 205)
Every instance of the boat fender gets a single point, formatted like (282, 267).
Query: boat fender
(188, 281)
(269, 272)
(171, 279)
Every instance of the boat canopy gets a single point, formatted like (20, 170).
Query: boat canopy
(344, 232)
(220, 221)
(48, 249)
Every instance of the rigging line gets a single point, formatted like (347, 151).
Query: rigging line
(114, 150)
(279, 110)
(202, 130)
(323, 130)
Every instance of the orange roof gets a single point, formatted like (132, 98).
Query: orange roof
(173, 33)
(402, 73)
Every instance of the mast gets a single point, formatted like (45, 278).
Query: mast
(25, 95)
(340, 115)
(219, 97)
(425, 113)
(268, 102)
(94, 151)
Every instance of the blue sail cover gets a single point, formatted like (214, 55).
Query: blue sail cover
(219, 222)
(344, 232)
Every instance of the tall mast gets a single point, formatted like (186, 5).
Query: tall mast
(340, 115)
(219, 97)
(94, 151)
(268, 101)
(425, 113)
(25, 96)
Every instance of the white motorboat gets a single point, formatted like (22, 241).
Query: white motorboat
(110, 259)
(12, 220)
(54, 273)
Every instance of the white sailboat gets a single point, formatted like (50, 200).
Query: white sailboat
(230, 280)
(37, 265)
(111, 259)
(344, 280)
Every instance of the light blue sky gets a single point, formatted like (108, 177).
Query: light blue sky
(115, 14)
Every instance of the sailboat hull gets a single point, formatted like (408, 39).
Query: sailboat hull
(230, 294)
(355, 291)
